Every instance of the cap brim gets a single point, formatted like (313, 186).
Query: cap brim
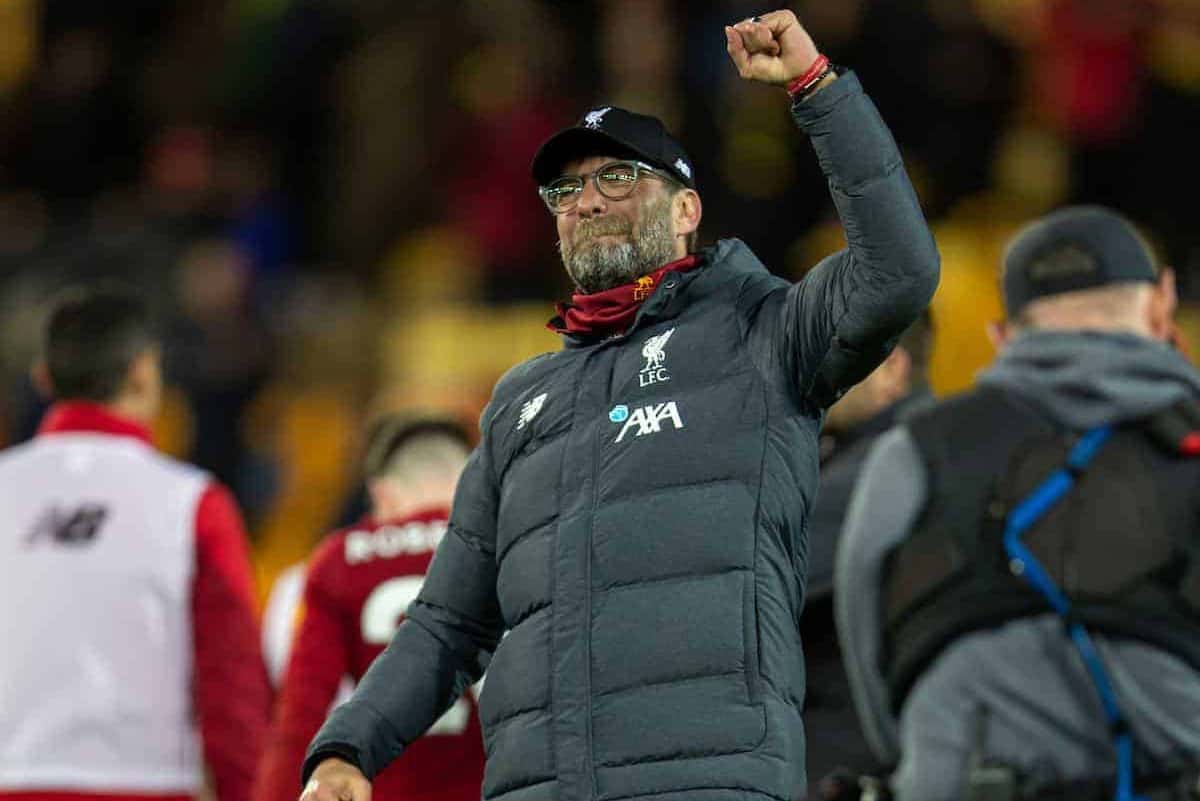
(574, 143)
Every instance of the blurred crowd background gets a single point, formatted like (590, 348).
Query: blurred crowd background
(330, 202)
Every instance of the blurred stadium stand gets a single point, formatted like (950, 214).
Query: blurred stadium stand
(330, 198)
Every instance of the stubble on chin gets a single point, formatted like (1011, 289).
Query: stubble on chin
(596, 265)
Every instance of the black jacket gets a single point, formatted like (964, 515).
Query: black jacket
(634, 520)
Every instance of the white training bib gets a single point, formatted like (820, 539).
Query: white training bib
(97, 555)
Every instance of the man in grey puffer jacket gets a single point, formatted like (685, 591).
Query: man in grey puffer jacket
(1085, 345)
(633, 519)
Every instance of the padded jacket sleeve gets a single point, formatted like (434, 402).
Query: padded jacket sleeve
(835, 326)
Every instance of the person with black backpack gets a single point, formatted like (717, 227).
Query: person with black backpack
(1018, 582)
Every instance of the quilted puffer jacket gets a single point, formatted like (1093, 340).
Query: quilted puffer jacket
(633, 521)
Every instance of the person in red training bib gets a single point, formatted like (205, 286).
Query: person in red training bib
(130, 666)
(359, 583)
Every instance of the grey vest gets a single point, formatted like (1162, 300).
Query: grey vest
(1124, 545)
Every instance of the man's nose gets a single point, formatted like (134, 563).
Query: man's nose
(591, 201)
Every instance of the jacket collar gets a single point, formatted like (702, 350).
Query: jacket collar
(729, 260)
(73, 417)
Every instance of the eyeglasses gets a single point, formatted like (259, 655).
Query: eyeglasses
(615, 181)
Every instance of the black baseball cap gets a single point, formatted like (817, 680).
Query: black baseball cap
(608, 129)
(1074, 248)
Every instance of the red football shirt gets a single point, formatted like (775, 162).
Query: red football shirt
(359, 583)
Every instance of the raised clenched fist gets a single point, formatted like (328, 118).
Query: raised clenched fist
(772, 48)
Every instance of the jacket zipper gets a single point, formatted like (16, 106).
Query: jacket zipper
(587, 579)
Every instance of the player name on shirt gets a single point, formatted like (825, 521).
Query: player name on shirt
(388, 542)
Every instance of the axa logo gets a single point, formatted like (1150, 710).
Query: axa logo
(655, 354)
(592, 118)
(530, 409)
(645, 419)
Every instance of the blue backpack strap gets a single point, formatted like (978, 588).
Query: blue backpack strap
(1024, 564)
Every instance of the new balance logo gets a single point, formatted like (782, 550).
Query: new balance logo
(70, 526)
(649, 419)
(530, 410)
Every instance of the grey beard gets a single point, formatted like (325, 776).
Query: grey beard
(595, 267)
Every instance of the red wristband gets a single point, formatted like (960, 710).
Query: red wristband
(800, 85)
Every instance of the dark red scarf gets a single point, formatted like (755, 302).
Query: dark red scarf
(612, 311)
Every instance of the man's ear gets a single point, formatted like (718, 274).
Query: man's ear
(377, 489)
(144, 371)
(1164, 305)
(687, 211)
(39, 375)
(998, 333)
